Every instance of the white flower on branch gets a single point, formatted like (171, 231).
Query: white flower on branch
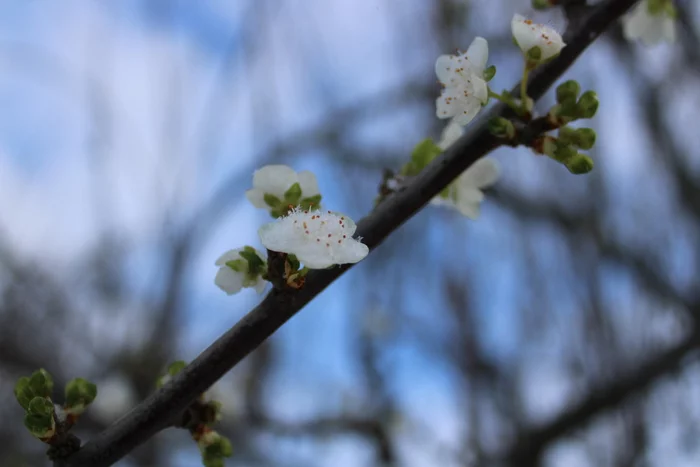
(239, 268)
(465, 89)
(465, 194)
(538, 42)
(318, 239)
(276, 187)
(652, 22)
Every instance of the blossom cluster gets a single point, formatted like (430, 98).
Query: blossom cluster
(311, 238)
(308, 235)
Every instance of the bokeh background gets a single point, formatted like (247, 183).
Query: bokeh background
(558, 330)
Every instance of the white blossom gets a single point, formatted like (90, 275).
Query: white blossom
(650, 28)
(528, 35)
(115, 396)
(452, 132)
(318, 239)
(232, 280)
(465, 90)
(465, 194)
(276, 180)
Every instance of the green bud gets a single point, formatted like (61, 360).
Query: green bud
(176, 367)
(41, 383)
(40, 406)
(272, 200)
(294, 263)
(558, 150)
(79, 394)
(564, 153)
(541, 4)
(39, 418)
(489, 73)
(238, 265)
(312, 202)
(580, 164)
(256, 265)
(422, 155)
(213, 445)
(534, 54)
(23, 393)
(293, 195)
(501, 127)
(587, 104)
(585, 138)
(173, 369)
(568, 135)
(568, 91)
(564, 113)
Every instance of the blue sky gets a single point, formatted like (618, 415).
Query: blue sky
(181, 105)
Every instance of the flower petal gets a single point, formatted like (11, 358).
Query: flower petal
(469, 209)
(481, 174)
(528, 35)
(478, 54)
(445, 67)
(308, 183)
(230, 255)
(260, 285)
(229, 280)
(318, 239)
(467, 113)
(256, 196)
(274, 179)
(447, 105)
(354, 252)
(480, 90)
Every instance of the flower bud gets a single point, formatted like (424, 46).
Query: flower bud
(585, 138)
(580, 164)
(568, 91)
(79, 394)
(39, 418)
(501, 127)
(489, 73)
(588, 104)
(39, 384)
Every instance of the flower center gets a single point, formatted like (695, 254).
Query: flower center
(323, 228)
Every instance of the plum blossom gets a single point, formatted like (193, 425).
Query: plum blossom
(318, 239)
(465, 89)
(529, 35)
(651, 23)
(241, 268)
(275, 187)
(465, 194)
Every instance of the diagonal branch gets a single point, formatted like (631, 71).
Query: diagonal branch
(154, 414)
(529, 448)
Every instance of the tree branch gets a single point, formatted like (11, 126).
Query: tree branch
(153, 414)
(529, 448)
